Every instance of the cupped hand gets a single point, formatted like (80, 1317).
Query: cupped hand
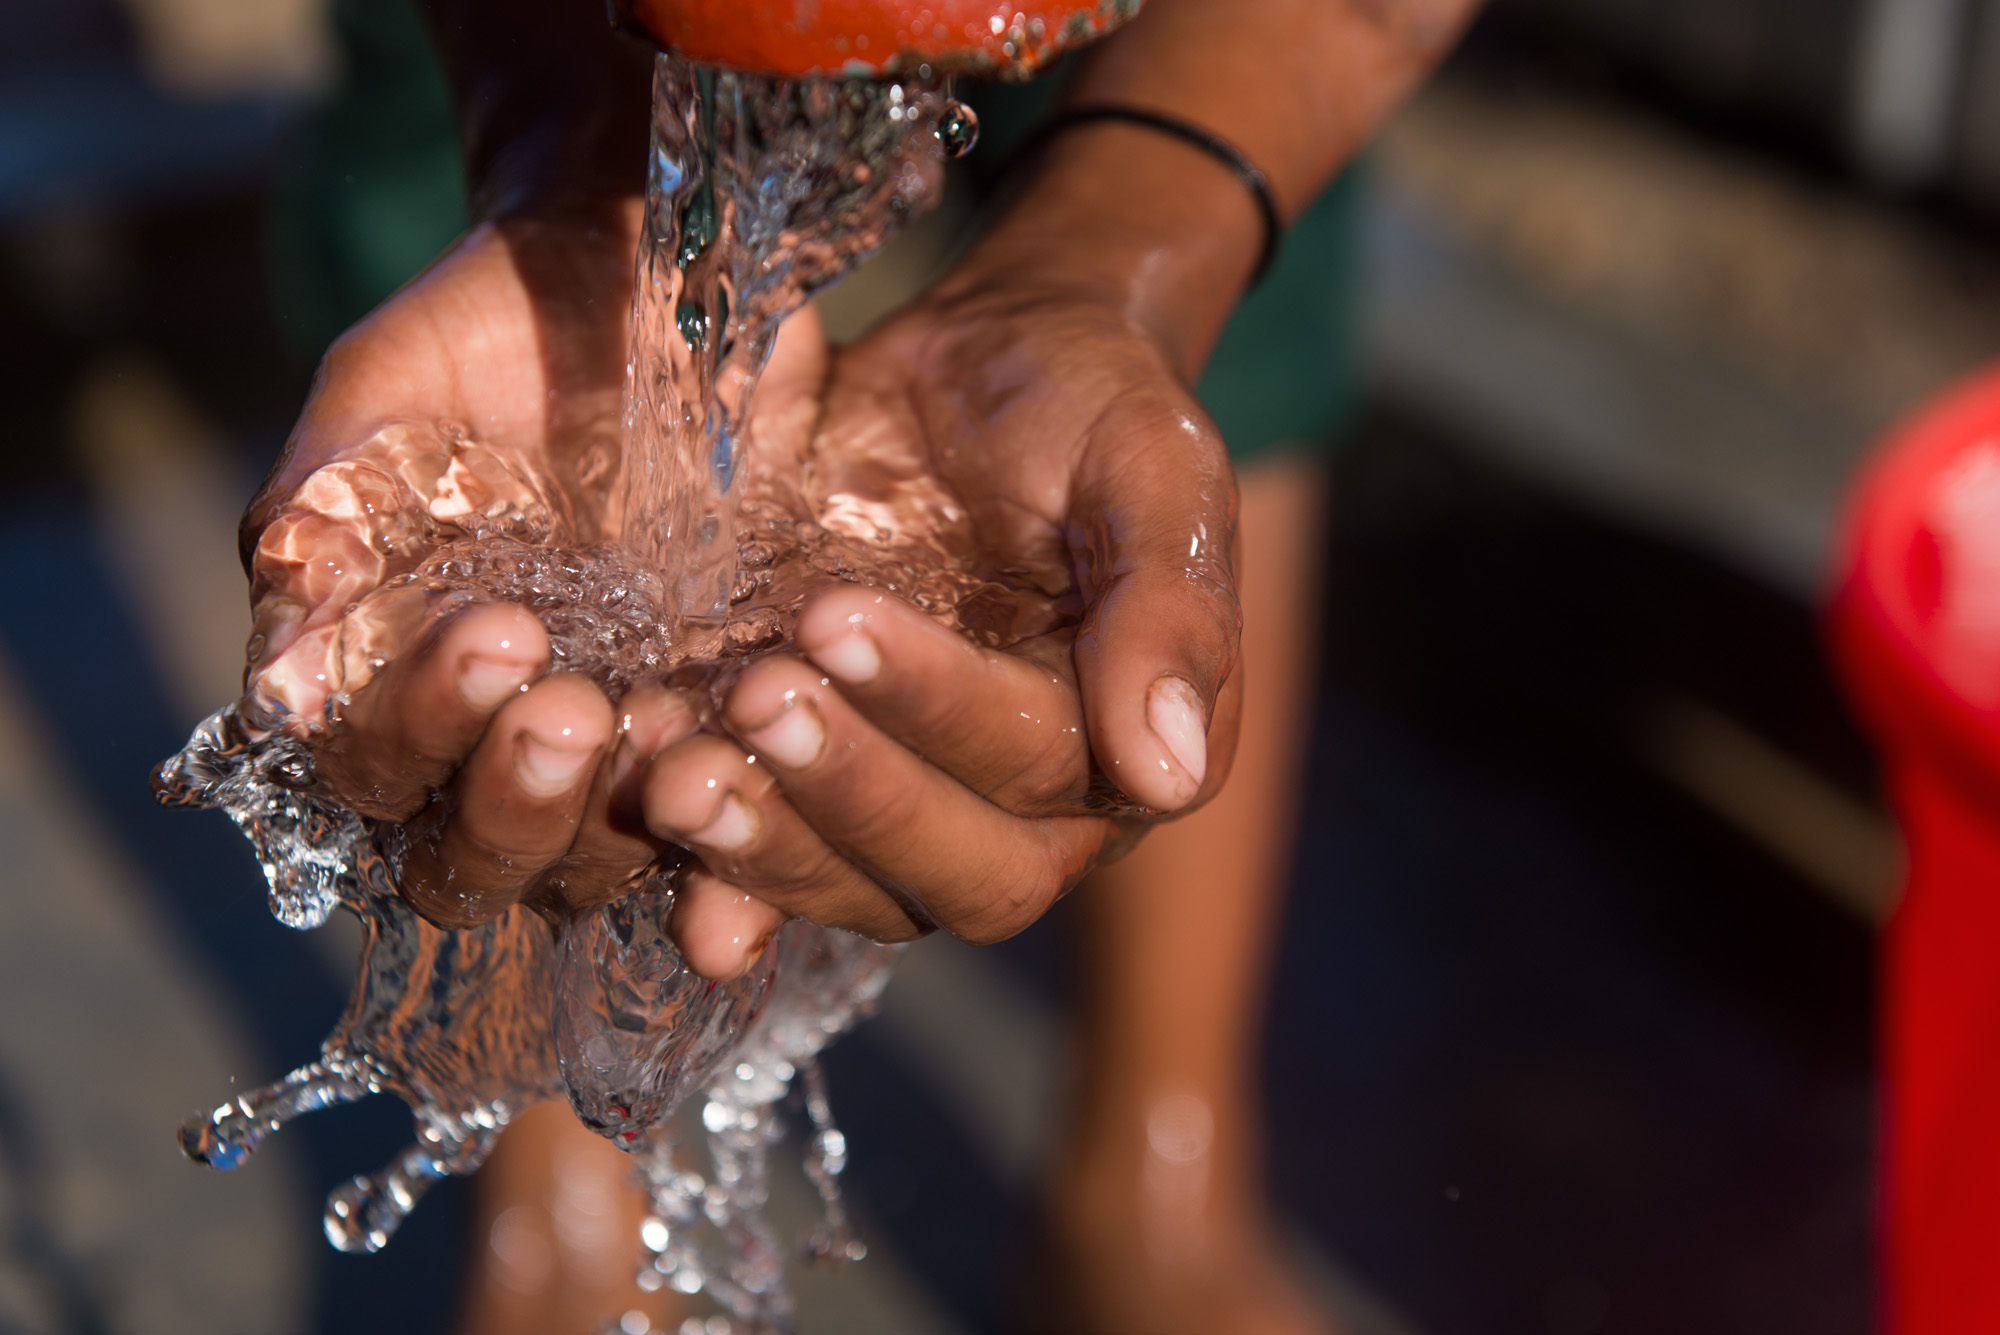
(487, 391)
(895, 776)
(891, 776)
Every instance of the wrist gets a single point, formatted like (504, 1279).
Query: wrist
(553, 106)
(543, 161)
(1129, 218)
(523, 182)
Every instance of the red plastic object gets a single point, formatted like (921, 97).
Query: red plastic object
(870, 38)
(1916, 626)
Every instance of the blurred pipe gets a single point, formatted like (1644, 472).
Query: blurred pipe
(1839, 845)
(1906, 89)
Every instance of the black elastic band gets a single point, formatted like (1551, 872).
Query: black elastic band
(1228, 154)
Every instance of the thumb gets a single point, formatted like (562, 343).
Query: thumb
(1154, 512)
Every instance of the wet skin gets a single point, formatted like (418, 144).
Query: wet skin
(1150, 243)
(1045, 382)
(889, 776)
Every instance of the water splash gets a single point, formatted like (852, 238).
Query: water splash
(456, 1024)
(708, 1233)
(694, 556)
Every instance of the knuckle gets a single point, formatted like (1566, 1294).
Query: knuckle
(439, 897)
(511, 849)
(803, 874)
(985, 932)
(949, 704)
(1049, 781)
(1017, 900)
(1002, 921)
(896, 930)
(591, 873)
(364, 787)
(884, 826)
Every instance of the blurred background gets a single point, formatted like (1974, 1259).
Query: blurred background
(1572, 1029)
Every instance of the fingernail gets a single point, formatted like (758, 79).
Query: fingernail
(484, 682)
(646, 729)
(651, 725)
(794, 738)
(729, 829)
(853, 658)
(546, 771)
(750, 956)
(1174, 711)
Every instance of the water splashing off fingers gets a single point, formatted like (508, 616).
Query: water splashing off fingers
(761, 190)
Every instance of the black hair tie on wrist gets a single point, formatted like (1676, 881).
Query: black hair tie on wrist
(1228, 154)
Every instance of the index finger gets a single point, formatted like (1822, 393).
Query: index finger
(1009, 726)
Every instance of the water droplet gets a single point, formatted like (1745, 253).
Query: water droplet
(692, 321)
(958, 129)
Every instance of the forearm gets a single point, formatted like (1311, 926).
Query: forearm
(553, 109)
(1138, 217)
(553, 104)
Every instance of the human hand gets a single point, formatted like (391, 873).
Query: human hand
(515, 785)
(904, 777)
(423, 712)
(450, 724)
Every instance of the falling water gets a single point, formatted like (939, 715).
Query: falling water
(705, 543)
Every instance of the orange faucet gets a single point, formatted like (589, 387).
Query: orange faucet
(877, 38)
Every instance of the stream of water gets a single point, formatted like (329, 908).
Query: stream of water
(760, 191)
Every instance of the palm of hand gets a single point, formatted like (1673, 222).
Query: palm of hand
(1025, 444)
(483, 396)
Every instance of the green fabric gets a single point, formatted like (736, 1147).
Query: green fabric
(1283, 374)
(373, 193)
